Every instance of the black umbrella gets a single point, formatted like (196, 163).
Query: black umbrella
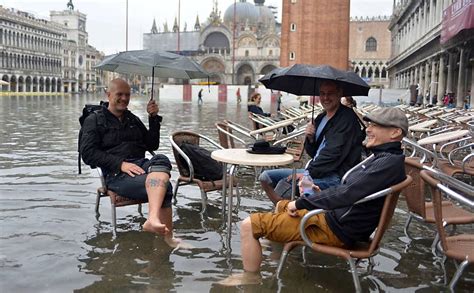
(305, 80)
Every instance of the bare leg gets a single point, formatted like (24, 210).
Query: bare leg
(272, 195)
(250, 247)
(251, 258)
(156, 186)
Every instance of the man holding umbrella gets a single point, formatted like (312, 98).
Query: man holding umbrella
(116, 140)
(333, 140)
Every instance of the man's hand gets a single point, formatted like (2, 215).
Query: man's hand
(152, 108)
(131, 169)
(291, 209)
(310, 131)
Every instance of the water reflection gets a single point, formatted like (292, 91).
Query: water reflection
(51, 241)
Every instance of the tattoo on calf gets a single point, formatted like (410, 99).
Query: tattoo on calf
(157, 183)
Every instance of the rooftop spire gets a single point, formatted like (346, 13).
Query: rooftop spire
(197, 25)
(175, 26)
(154, 30)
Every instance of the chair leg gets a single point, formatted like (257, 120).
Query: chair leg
(114, 218)
(405, 229)
(284, 254)
(355, 275)
(203, 201)
(175, 192)
(458, 274)
(435, 244)
(97, 202)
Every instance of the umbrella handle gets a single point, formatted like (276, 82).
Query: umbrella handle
(312, 112)
(152, 82)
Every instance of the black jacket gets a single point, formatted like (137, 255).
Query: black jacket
(356, 223)
(106, 141)
(344, 136)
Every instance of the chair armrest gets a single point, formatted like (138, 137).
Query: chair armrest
(451, 143)
(466, 160)
(312, 213)
(451, 153)
(185, 157)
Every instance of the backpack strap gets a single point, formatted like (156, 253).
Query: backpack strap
(100, 121)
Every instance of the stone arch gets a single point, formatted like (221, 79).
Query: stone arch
(35, 84)
(247, 41)
(28, 84)
(384, 72)
(271, 42)
(266, 68)
(377, 72)
(216, 39)
(370, 73)
(13, 83)
(53, 85)
(245, 74)
(21, 84)
(41, 84)
(5, 86)
(58, 85)
(363, 72)
(213, 65)
(47, 84)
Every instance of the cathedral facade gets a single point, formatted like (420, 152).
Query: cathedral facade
(236, 48)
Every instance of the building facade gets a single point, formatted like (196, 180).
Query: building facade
(432, 48)
(79, 57)
(315, 32)
(30, 52)
(235, 50)
(369, 48)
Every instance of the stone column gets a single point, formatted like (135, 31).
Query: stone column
(425, 17)
(441, 81)
(427, 81)
(460, 92)
(449, 81)
(433, 83)
(415, 78)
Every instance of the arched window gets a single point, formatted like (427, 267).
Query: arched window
(270, 53)
(292, 56)
(371, 45)
(293, 27)
(246, 53)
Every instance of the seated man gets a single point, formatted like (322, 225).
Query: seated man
(334, 142)
(343, 224)
(116, 140)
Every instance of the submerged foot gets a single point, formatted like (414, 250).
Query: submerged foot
(177, 243)
(245, 278)
(155, 227)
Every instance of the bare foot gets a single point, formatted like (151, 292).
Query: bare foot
(155, 227)
(177, 243)
(245, 278)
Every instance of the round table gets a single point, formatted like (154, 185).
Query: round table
(244, 158)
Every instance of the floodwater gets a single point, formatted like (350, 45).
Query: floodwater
(51, 240)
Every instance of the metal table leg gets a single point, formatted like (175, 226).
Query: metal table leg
(293, 183)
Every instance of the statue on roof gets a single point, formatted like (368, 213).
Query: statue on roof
(197, 25)
(175, 26)
(70, 5)
(154, 29)
(215, 16)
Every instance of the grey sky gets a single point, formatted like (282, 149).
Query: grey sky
(106, 18)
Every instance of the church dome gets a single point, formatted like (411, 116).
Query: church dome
(245, 13)
(265, 15)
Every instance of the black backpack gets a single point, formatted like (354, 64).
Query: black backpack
(86, 111)
(205, 167)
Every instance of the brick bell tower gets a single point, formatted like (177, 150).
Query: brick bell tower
(315, 32)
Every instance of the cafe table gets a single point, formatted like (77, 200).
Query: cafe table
(243, 158)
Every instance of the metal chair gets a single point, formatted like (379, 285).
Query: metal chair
(458, 247)
(115, 200)
(186, 170)
(421, 209)
(361, 250)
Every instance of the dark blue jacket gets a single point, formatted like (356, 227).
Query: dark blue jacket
(356, 223)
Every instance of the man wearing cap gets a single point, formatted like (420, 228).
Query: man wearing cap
(343, 224)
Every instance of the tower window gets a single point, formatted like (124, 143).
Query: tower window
(371, 45)
(292, 55)
(293, 27)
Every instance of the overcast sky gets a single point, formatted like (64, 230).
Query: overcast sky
(106, 18)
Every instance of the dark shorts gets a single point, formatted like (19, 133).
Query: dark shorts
(134, 187)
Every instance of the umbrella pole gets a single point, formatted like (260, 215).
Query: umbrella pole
(312, 103)
(152, 82)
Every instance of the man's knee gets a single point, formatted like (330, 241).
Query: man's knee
(157, 179)
(160, 164)
(265, 178)
(246, 227)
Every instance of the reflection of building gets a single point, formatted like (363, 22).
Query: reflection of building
(256, 39)
(369, 48)
(432, 47)
(30, 52)
(78, 56)
(315, 32)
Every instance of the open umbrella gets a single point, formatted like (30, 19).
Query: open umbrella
(304, 80)
(154, 64)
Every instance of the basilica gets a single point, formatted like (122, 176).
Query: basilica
(237, 48)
